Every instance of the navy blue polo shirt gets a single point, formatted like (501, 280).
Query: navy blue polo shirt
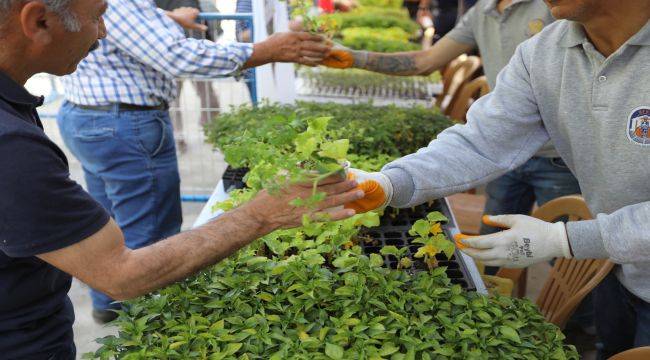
(41, 210)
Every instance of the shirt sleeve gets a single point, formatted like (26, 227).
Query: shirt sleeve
(463, 32)
(41, 208)
(622, 236)
(504, 129)
(144, 32)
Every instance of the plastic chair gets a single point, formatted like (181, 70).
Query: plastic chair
(469, 93)
(456, 74)
(570, 280)
(641, 353)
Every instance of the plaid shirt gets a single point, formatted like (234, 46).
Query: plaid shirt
(142, 55)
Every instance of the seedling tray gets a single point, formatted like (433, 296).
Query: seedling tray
(233, 178)
(393, 230)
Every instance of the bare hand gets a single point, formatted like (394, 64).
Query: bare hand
(186, 17)
(297, 47)
(274, 211)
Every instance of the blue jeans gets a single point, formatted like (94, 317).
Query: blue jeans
(622, 319)
(130, 166)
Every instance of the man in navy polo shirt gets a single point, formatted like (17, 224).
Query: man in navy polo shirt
(50, 229)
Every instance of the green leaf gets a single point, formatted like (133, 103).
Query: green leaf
(436, 216)
(458, 300)
(233, 348)
(388, 349)
(509, 333)
(376, 260)
(421, 227)
(319, 124)
(306, 144)
(334, 351)
(337, 149)
(389, 250)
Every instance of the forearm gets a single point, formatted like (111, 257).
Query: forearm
(173, 259)
(623, 236)
(262, 54)
(503, 130)
(392, 64)
(423, 62)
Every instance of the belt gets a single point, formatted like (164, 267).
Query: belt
(124, 107)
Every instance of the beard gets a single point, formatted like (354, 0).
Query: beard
(94, 46)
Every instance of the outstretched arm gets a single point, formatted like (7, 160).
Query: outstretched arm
(423, 62)
(105, 263)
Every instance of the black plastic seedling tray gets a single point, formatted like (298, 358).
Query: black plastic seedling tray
(393, 230)
(233, 178)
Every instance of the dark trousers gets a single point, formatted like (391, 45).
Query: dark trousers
(622, 319)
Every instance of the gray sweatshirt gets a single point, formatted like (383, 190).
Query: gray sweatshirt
(596, 110)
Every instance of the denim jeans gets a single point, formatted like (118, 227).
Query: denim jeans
(622, 319)
(130, 167)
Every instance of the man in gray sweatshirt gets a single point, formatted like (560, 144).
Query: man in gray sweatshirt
(583, 84)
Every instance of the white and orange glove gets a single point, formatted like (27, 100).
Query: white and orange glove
(377, 188)
(526, 241)
(340, 57)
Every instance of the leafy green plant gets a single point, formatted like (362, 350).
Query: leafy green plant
(392, 39)
(429, 234)
(372, 131)
(393, 4)
(310, 293)
(393, 33)
(252, 307)
(373, 19)
(311, 22)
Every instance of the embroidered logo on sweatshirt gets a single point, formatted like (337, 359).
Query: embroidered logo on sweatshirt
(534, 26)
(638, 126)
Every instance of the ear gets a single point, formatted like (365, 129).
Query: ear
(36, 22)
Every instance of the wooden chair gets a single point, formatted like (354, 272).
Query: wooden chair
(469, 93)
(468, 210)
(640, 353)
(456, 74)
(570, 280)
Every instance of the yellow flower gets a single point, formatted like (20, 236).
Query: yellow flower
(428, 250)
(436, 228)
(348, 245)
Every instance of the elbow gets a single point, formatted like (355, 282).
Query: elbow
(120, 283)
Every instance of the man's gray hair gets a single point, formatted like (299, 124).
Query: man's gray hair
(60, 7)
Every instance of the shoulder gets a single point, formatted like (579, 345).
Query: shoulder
(547, 40)
(25, 147)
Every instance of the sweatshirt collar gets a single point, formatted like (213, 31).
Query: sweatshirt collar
(575, 35)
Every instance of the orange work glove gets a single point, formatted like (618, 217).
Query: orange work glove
(339, 57)
(377, 188)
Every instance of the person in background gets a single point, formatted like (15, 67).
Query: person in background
(207, 96)
(589, 71)
(244, 33)
(495, 28)
(115, 119)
